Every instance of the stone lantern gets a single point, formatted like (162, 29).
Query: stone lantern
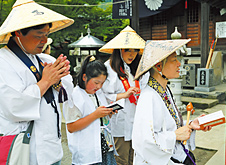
(84, 46)
(176, 84)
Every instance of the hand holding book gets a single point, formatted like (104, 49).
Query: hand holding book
(206, 122)
(118, 105)
(212, 119)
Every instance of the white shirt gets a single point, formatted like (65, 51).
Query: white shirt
(85, 145)
(122, 122)
(154, 139)
(21, 102)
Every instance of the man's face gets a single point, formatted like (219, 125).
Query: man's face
(34, 40)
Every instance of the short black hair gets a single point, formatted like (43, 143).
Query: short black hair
(26, 30)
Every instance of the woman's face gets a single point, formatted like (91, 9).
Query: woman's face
(171, 69)
(129, 55)
(94, 84)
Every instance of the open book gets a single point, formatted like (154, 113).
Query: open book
(212, 119)
(116, 105)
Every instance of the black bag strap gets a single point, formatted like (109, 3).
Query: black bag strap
(28, 132)
(101, 120)
(49, 97)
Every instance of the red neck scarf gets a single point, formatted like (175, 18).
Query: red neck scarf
(126, 85)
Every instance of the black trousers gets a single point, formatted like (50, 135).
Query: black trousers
(187, 161)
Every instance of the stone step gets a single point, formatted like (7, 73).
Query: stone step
(218, 94)
(201, 103)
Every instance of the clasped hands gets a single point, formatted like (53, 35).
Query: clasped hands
(53, 72)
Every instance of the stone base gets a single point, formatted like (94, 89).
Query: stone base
(181, 107)
(205, 89)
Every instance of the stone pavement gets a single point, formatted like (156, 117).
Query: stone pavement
(214, 140)
(67, 154)
(210, 146)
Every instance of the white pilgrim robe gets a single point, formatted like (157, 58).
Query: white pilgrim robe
(122, 122)
(153, 137)
(21, 102)
(85, 145)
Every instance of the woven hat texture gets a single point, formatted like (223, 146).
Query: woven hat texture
(27, 13)
(126, 39)
(157, 50)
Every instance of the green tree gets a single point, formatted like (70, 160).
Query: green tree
(5, 8)
(98, 19)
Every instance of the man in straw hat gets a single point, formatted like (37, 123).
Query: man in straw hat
(158, 125)
(30, 81)
(125, 49)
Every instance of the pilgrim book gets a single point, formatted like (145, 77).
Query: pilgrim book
(212, 119)
(116, 105)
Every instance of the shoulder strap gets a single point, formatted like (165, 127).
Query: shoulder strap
(179, 113)
(101, 120)
(27, 134)
(49, 97)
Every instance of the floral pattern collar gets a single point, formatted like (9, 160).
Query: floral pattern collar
(153, 83)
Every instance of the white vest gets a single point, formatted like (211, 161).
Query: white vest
(21, 102)
(85, 144)
(122, 123)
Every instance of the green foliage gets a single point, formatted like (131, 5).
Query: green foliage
(98, 19)
(5, 8)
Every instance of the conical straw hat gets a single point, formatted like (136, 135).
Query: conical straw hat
(157, 50)
(126, 39)
(27, 13)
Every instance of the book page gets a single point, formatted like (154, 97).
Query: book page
(116, 105)
(211, 117)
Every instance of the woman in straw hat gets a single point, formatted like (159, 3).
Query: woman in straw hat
(125, 51)
(30, 81)
(158, 125)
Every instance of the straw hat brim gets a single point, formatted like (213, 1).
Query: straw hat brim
(126, 39)
(155, 51)
(31, 14)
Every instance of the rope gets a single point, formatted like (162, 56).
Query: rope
(85, 5)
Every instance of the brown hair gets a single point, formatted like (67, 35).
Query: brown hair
(116, 62)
